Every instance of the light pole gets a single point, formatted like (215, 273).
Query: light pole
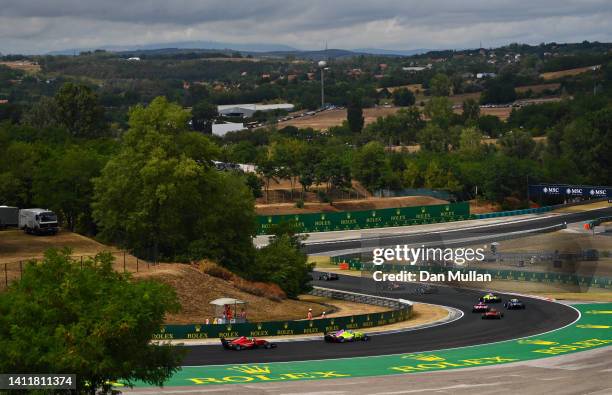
(322, 65)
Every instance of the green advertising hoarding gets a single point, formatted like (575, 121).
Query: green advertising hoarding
(383, 218)
(279, 328)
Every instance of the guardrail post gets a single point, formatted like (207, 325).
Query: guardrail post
(5, 275)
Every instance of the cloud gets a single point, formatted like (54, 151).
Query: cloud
(28, 26)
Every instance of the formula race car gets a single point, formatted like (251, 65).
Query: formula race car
(246, 343)
(343, 336)
(492, 314)
(514, 304)
(329, 276)
(481, 307)
(490, 298)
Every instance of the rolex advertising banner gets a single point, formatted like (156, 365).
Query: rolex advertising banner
(277, 328)
(401, 216)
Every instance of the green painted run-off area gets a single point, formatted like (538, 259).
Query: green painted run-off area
(593, 330)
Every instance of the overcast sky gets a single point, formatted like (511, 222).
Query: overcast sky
(38, 26)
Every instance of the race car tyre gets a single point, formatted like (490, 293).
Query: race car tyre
(267, 346)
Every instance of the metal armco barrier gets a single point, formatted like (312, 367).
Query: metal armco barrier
(358, 298)
(389, 217)
(401, 312)
(511, 275)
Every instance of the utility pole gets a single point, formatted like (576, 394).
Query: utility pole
(322, 64)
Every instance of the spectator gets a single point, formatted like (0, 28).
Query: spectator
(207, 321)
(323, 315)
(310, 314)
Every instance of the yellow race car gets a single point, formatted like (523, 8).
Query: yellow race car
(491, 298)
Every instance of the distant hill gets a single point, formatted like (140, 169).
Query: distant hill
(255, 49)
(214, 45)
(392, 52)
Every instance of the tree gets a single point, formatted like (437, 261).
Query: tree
(471, 111)
(268, 170)
(160, 195)
(369, 165)
(43, 114)
(79, 110)
(86, 319)
(412, 175)
(498, 91)
(491, 125)
(203, 115)
(283, 263)
(470, 142)
(354, 114)
(440, 111)
(63, 183)
(433, 138)
(440, 85)
(254, 183)
(517, 143)
(436, 177)
(403, 97)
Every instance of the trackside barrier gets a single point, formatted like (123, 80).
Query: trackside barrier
(383, 218)
(516, 212)
(390, 217)
(511, 275)
(599, 221)
(358, 298)
(401, 311)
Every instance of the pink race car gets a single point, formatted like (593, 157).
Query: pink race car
(481, 307)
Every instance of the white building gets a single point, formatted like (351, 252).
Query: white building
(247, 110)
(221, 129)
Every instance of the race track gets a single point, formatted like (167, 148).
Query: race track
(459, 236)
(539, 317)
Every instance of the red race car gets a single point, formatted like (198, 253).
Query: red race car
(481, 307)
(246, 343)
(492, 314)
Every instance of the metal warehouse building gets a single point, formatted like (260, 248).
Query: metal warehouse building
(247, 110)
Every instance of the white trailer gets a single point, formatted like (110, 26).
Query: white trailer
(38, 221)
(9, 216)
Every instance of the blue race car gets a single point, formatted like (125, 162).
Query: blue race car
(514, 304)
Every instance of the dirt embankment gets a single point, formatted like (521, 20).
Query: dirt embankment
(196, 290)
(347, 205)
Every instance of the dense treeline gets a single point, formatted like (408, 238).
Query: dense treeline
(152, 190)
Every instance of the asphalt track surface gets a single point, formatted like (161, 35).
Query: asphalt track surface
(490, 232)
(539, 316)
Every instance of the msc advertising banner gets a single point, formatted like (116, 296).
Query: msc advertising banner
(570, 191)
(401, 216)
